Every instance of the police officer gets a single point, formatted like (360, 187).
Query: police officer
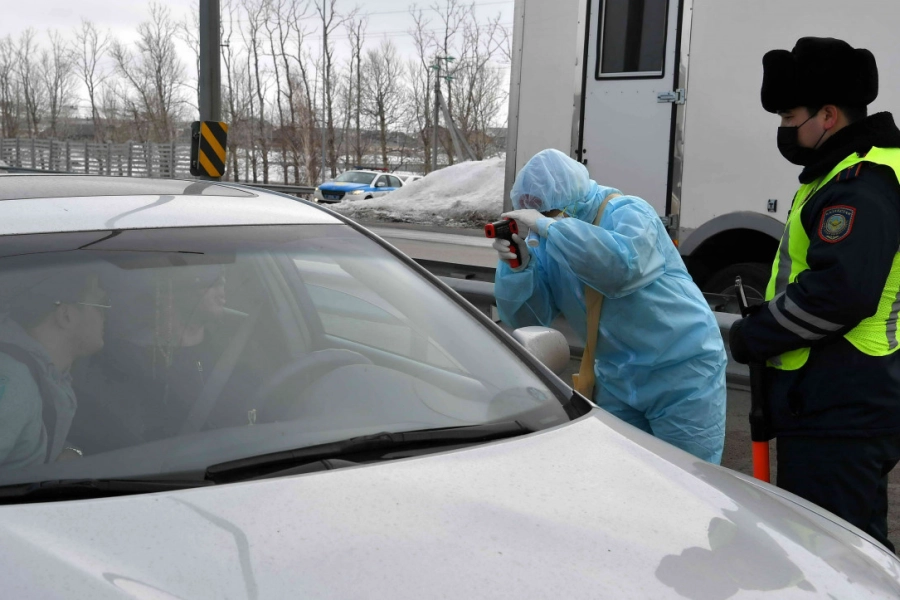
(828, 331)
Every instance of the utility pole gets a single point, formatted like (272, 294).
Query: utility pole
(437, 107)
(324, 79)
(210, 85)
(210, 62)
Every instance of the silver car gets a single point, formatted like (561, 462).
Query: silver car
(268, 401)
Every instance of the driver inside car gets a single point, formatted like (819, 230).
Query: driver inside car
(159, 355)
(53, 317)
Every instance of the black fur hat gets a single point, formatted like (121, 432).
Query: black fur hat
(818, 71)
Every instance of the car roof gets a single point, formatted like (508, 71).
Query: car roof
(61, 203)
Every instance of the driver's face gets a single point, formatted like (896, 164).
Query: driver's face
(212, 303)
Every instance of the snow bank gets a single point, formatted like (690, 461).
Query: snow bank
(467, 194)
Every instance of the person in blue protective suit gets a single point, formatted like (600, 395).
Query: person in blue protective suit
(660, 359)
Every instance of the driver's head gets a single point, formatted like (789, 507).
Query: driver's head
(198, 293)
(67, 303)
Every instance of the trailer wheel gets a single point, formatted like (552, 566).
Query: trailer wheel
(720, 287)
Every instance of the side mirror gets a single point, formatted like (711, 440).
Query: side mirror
(380, 184)
(547, 345)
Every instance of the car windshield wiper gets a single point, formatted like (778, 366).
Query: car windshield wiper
(368, 445)
(77, 489)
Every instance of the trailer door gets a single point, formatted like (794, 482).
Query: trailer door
(626, 129)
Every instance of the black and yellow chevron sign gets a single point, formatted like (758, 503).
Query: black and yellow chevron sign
(208, 143)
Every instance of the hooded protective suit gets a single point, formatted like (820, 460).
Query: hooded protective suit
(660, 360)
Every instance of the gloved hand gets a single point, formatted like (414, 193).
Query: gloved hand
(503, 251)
(527, 218)
(737, 344)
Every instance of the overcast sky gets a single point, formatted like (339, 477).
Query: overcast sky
(387, 19)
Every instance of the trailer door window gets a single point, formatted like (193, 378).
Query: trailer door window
(632, 42)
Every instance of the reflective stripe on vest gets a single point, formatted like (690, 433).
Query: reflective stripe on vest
(874, 336)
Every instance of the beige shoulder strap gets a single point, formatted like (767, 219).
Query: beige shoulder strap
(584, 381)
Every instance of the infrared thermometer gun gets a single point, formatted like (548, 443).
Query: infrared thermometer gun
(504, 230)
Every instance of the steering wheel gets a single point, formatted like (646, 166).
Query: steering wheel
(305, 370)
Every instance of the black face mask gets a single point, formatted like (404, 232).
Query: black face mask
(790, 147)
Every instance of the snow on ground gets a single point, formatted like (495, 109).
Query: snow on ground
(467, 194)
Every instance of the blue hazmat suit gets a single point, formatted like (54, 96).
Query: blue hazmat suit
(660, 360)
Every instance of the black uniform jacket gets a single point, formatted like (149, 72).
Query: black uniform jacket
(853, 223)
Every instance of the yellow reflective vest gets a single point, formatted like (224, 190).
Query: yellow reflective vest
(875, 335)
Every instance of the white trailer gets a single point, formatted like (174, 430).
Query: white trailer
(660, 98)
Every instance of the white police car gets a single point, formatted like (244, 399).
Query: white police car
(286, 406)
(357, 185)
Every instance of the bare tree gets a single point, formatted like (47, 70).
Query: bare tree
(154, 73)
(90, 47)
(478, 88)
(421, 81)
(331, 20)
(27, 72)
(305, 103)
(57, 79)
(11, 104)
(253, 40)
(233, 105)
(275, 11)
(383, 94)
(284, 19)
(356, 30)
(188, 31)
(111, 112)
(450, 45)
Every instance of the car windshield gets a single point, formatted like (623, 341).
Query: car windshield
(356, 177)
(192, 346)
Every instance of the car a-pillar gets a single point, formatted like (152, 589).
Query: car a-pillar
(716, 253)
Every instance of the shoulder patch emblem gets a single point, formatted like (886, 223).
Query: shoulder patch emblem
(837, 223)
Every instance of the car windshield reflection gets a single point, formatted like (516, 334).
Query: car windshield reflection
(166, 351)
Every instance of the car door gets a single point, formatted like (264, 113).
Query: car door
(381, 186)
(396, 184)
(629, 100)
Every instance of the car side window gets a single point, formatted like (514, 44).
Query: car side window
(395, 182)
(380, 181)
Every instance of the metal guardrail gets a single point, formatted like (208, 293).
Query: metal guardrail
(279, 187)
(9, 169)
(481, 295)
(275, 187)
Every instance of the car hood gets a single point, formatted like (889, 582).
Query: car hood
(338, 186)
(579, 510)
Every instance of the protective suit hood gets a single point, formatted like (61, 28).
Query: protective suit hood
(553, 181)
